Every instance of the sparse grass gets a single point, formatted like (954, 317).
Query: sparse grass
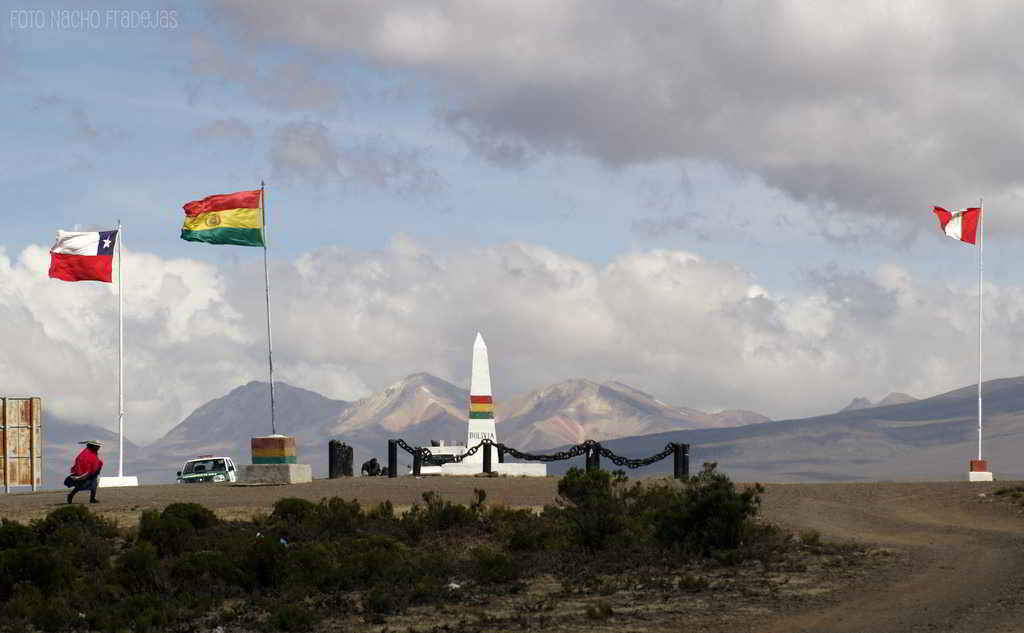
(1011, 493)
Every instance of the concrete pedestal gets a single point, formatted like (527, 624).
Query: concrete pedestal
(276, 474)
(978, 470)
(123, 481)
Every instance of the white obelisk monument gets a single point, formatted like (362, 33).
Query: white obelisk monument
(481, 403)
(480, 427)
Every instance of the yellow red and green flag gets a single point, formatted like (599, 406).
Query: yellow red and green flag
(229, 218)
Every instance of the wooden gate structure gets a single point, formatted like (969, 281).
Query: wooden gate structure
(21, 442)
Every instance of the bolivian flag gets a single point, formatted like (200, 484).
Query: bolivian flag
(229, 218)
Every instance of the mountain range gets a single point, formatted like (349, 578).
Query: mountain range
(920, 440)
(893, 398)
(899, 437)
(419, 408)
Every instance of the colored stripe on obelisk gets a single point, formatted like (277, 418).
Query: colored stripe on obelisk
(481, 407)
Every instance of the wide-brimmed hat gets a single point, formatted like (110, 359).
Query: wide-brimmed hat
(92, 443)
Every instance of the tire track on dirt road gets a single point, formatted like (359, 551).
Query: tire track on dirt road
(965, 569)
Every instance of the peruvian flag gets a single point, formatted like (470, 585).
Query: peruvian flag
(83, 256)
(961, 224)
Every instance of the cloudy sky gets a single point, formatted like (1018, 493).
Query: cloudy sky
(726, 204)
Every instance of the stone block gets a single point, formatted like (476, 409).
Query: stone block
(273, 474)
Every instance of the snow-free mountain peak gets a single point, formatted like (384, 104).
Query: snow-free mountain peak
(408, 402)
(895, 397)
(857, 403)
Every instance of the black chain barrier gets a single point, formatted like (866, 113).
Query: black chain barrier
(618, 460)
(586, 448)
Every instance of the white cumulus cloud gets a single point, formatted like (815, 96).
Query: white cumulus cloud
(691, 330)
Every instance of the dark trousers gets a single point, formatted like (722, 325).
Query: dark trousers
(90, 483)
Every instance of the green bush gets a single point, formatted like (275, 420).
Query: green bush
(73, 521)
(708, 514)
(205, 568)
(139, 568)
(264, 564)
(369, 560)
(338, 516)
(520, 531)
(291, 616)
(441, 515)
(14, 535)
(73, 570)
(594, 508)
(39, 566)
(312, 566)
(381, 512)
(141, 612)
(382, 600)
(293, 510)
(171, 534)
(56, 615)
(492, 567)
(199, 517)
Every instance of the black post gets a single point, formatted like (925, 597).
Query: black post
(487, 457)
(346, 460)
(417, 462)
(333, 459)
(501, 453)
(593, 458)
(681, 461)
(392, 458)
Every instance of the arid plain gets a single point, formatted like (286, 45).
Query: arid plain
(938, 556)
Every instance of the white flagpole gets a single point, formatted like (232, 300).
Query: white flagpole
(981, 290)
(266, 278)
(120, 357)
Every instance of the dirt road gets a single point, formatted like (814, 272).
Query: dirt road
(961, 552)
(965, 568)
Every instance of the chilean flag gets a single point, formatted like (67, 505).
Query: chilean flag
(83, 256)
(961, 224)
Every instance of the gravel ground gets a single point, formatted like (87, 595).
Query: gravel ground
(957, 560)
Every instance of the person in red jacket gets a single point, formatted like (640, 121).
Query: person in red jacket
(85, 473)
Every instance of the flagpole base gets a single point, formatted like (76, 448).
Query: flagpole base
(978, 470)
(124, 481)
(275, 474)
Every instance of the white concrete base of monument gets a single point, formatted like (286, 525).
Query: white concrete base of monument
(124, 481)
(979, 476)
(275, 474)
(509, 470)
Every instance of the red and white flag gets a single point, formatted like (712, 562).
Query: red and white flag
(960, 224)
(83, 256)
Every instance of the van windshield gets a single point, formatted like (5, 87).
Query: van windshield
(204, 466)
